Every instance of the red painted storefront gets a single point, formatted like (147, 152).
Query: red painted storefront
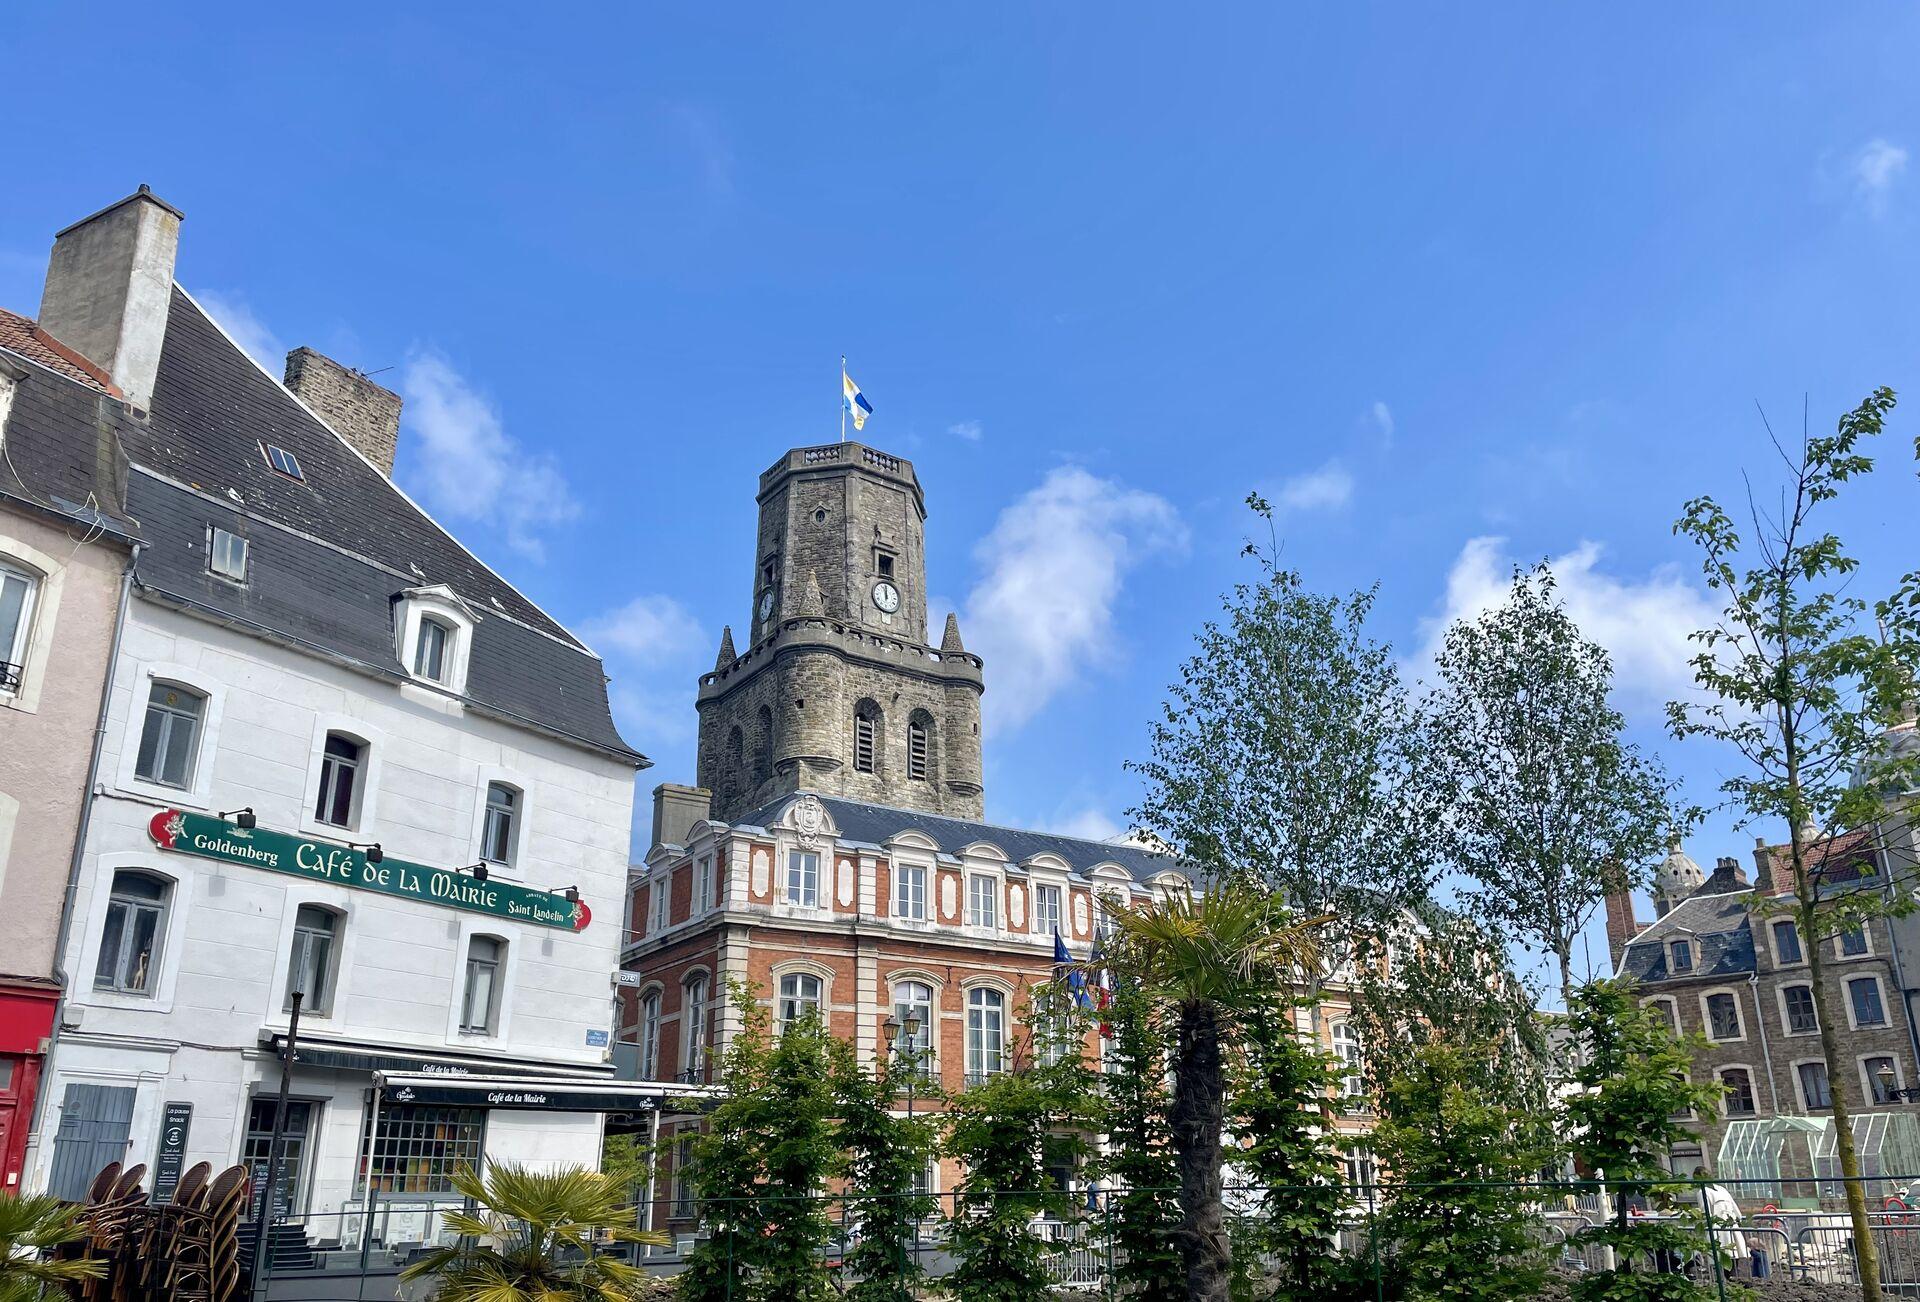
(26, 1020)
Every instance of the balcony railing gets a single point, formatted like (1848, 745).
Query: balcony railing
(9, 677)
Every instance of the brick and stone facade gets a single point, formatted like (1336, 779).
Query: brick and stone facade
(837, 693)
(360, 411)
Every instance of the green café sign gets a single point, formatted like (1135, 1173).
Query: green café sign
(323, 861)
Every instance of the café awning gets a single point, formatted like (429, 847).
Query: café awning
(545, 1093)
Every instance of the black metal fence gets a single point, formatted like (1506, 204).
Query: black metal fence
(339, 1256)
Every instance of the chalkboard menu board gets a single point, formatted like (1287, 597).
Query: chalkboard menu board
(176, 1119)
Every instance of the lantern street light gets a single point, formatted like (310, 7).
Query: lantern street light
(1885, 1078)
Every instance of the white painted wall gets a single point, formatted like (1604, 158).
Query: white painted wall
(223, 969)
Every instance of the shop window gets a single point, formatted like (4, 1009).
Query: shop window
(417, 1148)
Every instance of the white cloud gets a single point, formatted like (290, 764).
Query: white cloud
(1876, 165)
(967, 429)
(1643, 623)
(1054, 565)
(232, 314)
(1380, 416)
(649, 630)
(1328, 488)
(1088, 824)
(465, 464)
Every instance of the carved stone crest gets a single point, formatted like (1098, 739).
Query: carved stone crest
(809, 816)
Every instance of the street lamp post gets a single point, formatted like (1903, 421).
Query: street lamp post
(1892, 1095)
(903, 1041)
(262, 1257)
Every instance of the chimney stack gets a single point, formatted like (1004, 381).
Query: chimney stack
(109, 284)
(360, 411)
(1622, 926)
(675, 811)
(1762, 866)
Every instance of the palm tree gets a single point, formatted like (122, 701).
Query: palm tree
(30, 1229)
(532, 1238)
(1207, 958)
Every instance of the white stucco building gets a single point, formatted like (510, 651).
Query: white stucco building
(340, 755)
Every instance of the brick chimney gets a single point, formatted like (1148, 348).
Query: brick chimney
(363, 413)
(1762, 866)
(109, 284)
(1622, 926)
(675, 811)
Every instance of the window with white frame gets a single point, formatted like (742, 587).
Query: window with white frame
(226, 554)
(1852, 942)
(1360, 1171)
(1723, 1017)
(910, 892)
(650, 1035)
(799, 995)
(1346, 1048)
(170, 735)
(693, 1004)
(1680, 957)
(480, 1000)
(18, 588)
(497, 824)
(1802, 1017)
(803, 879)
(1046, 909)
(913, 1002)
(313, 961)
(1786, 942)
(432, 649)
(662, 900)
(342, 761)
(683, 1192)
(1863, 997)
(983, 900)
(702, 884)
(986, 1033)
(1812, 1077)
(1881, 1076)
(1738, 1083)
(130, 940)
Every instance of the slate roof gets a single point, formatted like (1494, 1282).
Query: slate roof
(327, 555)
(1719, 924)
(874, 824)
(63, 451)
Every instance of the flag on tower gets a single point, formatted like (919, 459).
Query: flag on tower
(857, 405)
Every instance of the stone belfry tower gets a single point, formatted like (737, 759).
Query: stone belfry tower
(836, 687)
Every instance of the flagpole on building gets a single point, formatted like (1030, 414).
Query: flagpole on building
(843, 397)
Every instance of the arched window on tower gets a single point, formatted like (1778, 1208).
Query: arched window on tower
(920, 747)
(866, 737)
(763, 746)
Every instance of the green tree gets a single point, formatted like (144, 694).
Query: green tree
(762, 1167)
(1456, 1224)
(1013, 1132)
(32, 1230)
(1632, 1074)
(1140, 1169)
(531, 1238)
(1548, 805)
(1287, 752)
(885, 1155)
(1207, 958)
(1288, 1167)
(1799, 685)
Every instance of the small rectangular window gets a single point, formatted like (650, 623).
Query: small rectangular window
(16, 623)
(496, 832)
(1864, 994)
(1853, 942)
(340, 766)
(1786, 942)
(1813, 1084)
(430, 651)
(1681, 956)
(803, 879)
(983, 903)
(1046, 910)
(170, 736)
(282, 460)
(910, 892)
(863, 743)
(480, 1004)
(662, 901)
(227, 555)
(1802, 1018)
(1723, 1017)
(883, 564)
(1739, 1086)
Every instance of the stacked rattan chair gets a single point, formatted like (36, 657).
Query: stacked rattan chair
(113, 1236)
(151, 1277)
(203, 1248)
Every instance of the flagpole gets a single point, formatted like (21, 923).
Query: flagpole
(843, 397)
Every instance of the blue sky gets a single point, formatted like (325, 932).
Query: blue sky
(1456, 287)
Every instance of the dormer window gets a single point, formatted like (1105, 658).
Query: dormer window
(433, 636)
(1680, 957)
(282, 461)
(227, 555)
(430, 650)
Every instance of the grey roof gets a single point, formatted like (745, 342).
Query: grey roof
(327, 555)
(1717, 922)
(874, 824)
(63, 452)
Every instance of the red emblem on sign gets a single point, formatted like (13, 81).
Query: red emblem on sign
(165, 828)
(582, 915)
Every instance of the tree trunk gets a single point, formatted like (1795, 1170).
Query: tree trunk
(1198, 1117)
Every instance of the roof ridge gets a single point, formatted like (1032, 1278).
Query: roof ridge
(980, 823)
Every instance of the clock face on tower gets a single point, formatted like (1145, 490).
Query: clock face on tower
(766, 605)
(886, 597)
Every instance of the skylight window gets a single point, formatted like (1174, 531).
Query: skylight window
(283, 461)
